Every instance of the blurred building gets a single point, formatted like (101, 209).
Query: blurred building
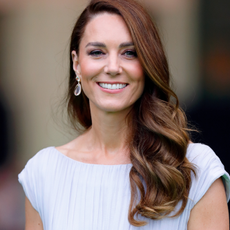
(211, 112)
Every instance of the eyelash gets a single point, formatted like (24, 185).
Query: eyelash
(96, 53)
(132, 53)
(127, 53)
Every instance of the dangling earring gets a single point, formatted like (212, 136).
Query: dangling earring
(77, 90)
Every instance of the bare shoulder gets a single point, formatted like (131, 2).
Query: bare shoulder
(211, 212)
(33, 219)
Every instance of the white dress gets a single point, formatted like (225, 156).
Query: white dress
(71, 195)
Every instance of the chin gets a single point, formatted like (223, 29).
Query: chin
(116, 109)
(111, 106)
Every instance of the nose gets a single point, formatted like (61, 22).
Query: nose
(113, 65)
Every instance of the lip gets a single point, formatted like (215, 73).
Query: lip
(112, 82)
(112, 91)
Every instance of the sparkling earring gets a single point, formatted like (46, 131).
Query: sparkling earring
(77, 90)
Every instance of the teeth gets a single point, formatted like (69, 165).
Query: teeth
(112, 86)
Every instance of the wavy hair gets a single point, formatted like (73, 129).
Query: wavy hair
(161, 174)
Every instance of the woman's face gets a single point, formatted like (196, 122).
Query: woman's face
(110, 72)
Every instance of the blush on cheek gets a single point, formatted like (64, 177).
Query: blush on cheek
(91, 70)
(140, 70)
(138, 76)
(137, 71)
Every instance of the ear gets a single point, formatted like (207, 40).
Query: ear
(76, 66)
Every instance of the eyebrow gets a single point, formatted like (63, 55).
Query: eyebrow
(100, 44)
(125, 44)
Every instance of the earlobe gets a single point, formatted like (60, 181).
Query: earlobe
(75, 61)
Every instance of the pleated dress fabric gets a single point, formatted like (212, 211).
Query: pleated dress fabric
(71, 195)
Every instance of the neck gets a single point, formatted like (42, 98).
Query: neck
(109, 132)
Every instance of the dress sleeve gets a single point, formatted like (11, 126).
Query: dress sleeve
(28, 178)
(208, 169)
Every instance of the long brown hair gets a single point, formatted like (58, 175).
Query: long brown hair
(161, 173)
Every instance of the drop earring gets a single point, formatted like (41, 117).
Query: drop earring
(77, 90)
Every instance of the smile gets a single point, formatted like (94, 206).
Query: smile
(112, 86)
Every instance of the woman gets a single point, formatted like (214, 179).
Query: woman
(133, 164)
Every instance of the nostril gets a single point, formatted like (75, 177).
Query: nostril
(113, 70)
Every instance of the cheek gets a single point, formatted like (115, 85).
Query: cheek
(86, 69)
(90, 70)
(139, 78)
(137, 72)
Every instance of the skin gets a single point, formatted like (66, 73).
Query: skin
(106, 54)
(33, 219)
(211, 212)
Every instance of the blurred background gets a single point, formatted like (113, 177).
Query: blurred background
(34, 38)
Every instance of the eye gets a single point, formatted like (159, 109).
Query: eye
(130, 53)
(96, 53)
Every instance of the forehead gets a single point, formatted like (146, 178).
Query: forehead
(106, 27)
